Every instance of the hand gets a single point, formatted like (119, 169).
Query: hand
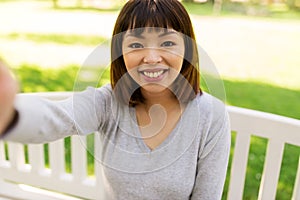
(8, 90)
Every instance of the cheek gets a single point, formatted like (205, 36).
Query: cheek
(128, 62)
(176, 62)
(131, 61)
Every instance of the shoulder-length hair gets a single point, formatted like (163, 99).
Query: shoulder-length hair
(154, 13)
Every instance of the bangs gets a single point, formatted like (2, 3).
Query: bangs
(150, 19)
(152, 14)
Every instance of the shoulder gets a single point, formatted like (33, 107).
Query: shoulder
(211, 107)
(98, 100)
(92, 96)
(104, 90)
(216, 123)
(103, 93)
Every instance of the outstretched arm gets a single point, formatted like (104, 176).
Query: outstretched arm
(8, 90)
(31, 119)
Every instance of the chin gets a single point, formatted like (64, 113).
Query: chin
(154, 88)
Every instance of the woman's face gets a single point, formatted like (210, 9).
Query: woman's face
(153, 58)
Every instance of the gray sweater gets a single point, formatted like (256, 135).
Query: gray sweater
(191, 162)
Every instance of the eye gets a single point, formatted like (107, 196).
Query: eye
(168, 44)
(136, 45)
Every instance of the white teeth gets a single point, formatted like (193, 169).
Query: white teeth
(153, 74)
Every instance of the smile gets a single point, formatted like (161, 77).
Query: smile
(153, 74)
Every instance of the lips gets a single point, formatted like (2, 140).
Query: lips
(153, 74)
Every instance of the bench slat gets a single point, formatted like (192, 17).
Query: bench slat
(270, 176)
(296, 192)
(16, 156)
(239, 166)
(57, 158)
(36, 158)
(2, 153)
(79, 158)
(98, 167)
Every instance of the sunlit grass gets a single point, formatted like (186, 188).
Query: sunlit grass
(34, 79)
(244, 9)
(263, 97)
(64, 39)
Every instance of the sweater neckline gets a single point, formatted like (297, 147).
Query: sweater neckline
(172, 135)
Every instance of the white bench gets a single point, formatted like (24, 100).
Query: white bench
(19, 180)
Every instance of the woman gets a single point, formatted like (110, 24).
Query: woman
(162, 137)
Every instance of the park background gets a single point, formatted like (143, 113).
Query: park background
(254, 45)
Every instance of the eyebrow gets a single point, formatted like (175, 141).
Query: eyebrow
(167, 33)
(135, 35)
(132, 34)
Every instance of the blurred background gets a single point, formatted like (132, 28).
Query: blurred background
(254, 44)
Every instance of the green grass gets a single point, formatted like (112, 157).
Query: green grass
(69, 78)
(263, 97)
(199, 8)
(35, 79)
(113, 8)
(288, 172)
(64, 39)
(235, 9)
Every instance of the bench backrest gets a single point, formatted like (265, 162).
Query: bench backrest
(278, 131)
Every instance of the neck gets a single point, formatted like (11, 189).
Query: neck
(164, 98)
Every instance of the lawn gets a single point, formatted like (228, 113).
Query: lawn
(273, 89)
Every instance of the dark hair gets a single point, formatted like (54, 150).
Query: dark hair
(154, 13)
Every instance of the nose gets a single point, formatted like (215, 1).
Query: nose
(152, 56)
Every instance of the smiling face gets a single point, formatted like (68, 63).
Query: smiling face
(153, 57)
(138, 14)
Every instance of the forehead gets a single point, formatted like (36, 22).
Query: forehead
(151, 32)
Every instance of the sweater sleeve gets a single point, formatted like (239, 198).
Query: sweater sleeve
(213, 160)
(41, 120)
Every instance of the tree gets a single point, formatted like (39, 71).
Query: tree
(217, 6)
